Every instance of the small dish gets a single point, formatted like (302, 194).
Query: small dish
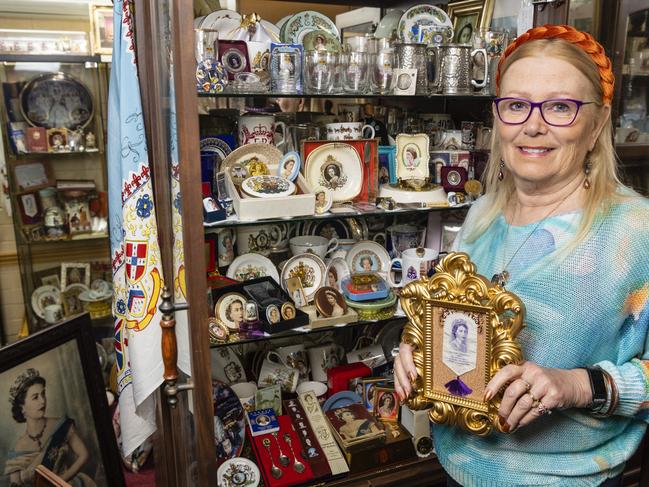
(324, 198)
(238, 472)
(229, 310)
(368, 256)
(251, 266)
(267, 187)
(289, 166)
(44, 296)
(341, 399)
(336, 166)
(337, 270)
(309, 268)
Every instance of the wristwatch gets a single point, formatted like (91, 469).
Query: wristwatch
(598, 386)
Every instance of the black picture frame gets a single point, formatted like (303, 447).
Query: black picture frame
(95, 430)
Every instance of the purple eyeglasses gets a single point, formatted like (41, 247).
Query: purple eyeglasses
(558, 112)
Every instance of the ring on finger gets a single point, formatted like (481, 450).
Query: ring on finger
(542, 409)
(528, 386)
(535, 401)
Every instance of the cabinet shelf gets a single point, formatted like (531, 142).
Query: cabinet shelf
(305, 330)
(477, 97)
(330, 216)
(46, 58)
(63, 241)
(33, 155)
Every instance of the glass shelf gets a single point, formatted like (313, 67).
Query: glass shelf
(305, 330)
(477, 97)
(235, 222)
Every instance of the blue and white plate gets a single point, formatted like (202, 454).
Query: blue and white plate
(341, 399)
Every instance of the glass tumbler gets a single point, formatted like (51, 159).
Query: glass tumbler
(382, 71)
(319, 71)
(355, 66)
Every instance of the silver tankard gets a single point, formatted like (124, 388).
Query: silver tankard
(414, 56)
(453, 70)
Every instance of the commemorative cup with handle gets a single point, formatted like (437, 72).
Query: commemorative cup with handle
(415, 263)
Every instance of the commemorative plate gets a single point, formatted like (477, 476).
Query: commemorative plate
(341, 399)
(44, 296)
(368, 256)
(215, 145)
(229, 310)
(227, 366)
(251, 266)
(226, 22)
(252, 153)
(56, 100)
(425, 24)
(309, 268)
(388, 24)
(238, 472)
(267, 187)
(289, 165)
(321, 40)
(336, 166)
(337, 270)
(295, 28)
(229, 422)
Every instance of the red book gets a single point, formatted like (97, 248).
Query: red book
(36, 139)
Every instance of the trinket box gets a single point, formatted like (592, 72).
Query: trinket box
(338, 377)
(262, 422)
(381, 309)
(365, 286)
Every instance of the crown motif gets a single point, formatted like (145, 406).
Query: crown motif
(20, 382)
(305, 273)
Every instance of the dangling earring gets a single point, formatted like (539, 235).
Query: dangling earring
(501, 176)
(587, 167)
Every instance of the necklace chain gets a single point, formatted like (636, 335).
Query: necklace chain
(37, 438)
(501, 278)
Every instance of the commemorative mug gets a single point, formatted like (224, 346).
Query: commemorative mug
(454, 69)
(245, 391)
(225, 240)
(313, 244)
(415, 264)
(294, 356)
(349, 131)
(274, 371)
(318, 388)
(323, 358)
(372, 356)
(404, 236)
(53, 313)
(259, 239)
(260, 129)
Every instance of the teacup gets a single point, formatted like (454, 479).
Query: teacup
(245, 391)
(313, 244)
(415, 263)
(323, 358)
(273, 371)
(53, 313)
(349, 131)
(372, 356)
(318, 388)
(294, 356)
(260, 129)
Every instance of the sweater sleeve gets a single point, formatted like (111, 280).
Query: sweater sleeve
(632, 377)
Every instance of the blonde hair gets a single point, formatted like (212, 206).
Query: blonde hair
(603, 177)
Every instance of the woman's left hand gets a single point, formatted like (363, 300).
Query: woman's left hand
(532, 390)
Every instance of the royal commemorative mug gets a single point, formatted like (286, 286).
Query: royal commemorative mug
(274, 371)
(245, 391)
(372, 356)
(313, 244)
(294, 356)
(53, 313)
(323, 358)
(260, 129)
(259, 239)
(318, 388)
(349, 131)
(415, 263)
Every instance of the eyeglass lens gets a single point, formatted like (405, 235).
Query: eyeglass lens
(554, 112)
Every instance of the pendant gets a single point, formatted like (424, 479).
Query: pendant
(500, 278)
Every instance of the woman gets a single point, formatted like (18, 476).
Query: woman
(234, 314)
(558, 229)
(353, 427)
(52, 442)
(386, 405)
(459, 332)
(336, 309)
(332, 277)
(287, 171)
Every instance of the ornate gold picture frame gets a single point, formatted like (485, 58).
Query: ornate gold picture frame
(463, 330)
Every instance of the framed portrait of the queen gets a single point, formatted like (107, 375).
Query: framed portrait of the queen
(56, 413)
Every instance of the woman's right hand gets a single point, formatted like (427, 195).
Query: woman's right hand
(404, 371)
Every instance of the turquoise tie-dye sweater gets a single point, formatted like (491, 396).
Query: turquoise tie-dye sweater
(588, 308)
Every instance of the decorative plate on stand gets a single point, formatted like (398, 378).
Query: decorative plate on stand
(44, 296)
(250, 153)
(368, 256)
(295, 28)
(310, 269)
(252, 266)
(425, 24)
(336, 166)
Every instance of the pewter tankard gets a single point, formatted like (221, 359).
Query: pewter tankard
(454, 69)
(414, 56)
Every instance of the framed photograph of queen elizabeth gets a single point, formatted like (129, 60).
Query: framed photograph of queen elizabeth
(464, 330)
(57, 413)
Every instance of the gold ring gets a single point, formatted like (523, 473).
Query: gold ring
(535, 401)
(528, 386)
(542, 409)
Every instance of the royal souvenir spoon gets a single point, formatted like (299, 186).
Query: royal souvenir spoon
(274, 469)
(298, 466)
(284, 460)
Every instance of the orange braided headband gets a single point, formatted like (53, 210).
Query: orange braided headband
(583, 40)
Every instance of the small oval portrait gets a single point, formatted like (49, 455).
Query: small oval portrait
(329, 302)
(337, 270)
(323, 199)
(411, 156)
(229, 309)
(272, 314)
(289, 166)
(288, 311)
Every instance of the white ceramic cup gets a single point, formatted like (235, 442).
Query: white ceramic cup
(259, 239)
(349, 131)
(323, 358)
(415, 263)
(245, 391)
(273, 371)
(372, 356)
(313, 244)
(53, 313)
(318, 388)
(226, 238)
(260, 129)
(295, 356)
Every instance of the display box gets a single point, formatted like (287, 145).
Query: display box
(398, 447)
(252, 209)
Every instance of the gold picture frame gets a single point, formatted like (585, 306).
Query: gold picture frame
(474, 13)
(101, 28)
(463, 330)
